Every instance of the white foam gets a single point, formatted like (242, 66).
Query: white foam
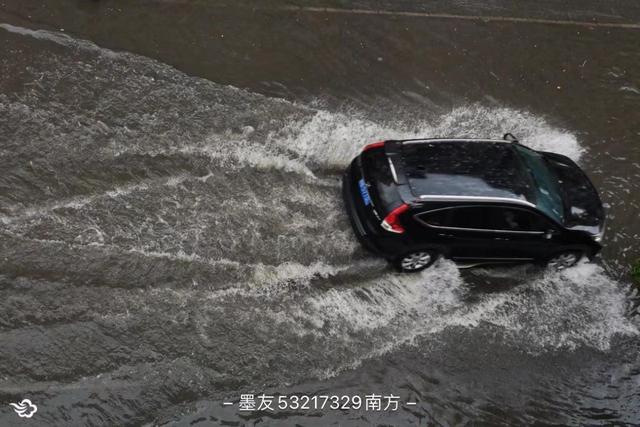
(581, 306)
(233, 153)
(268, 275)
(72, 203)
(576, 307)
(392, 297)
(57, 37)
(333, 139)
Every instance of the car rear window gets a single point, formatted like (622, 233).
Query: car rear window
(377, 173)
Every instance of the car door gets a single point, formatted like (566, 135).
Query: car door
(487, 233)
(527, 234)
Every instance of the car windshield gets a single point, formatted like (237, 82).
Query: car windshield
(548, 196)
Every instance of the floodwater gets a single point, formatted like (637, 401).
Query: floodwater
(172, 234)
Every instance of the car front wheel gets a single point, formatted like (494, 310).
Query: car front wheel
(564, 260)
(416, 261)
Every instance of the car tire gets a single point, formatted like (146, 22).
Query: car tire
(564, 260)
(415, 261)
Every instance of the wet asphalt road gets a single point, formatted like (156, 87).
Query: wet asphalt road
(171, 231)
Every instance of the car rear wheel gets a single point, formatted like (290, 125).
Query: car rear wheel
(564, 260)
(416, 261)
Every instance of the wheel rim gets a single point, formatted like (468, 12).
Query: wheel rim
(563, 261)
(416, 260)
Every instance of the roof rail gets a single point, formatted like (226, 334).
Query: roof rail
(488, 199)
(509, 137)
(422, 140)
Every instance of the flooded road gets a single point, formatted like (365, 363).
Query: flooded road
(172, 233)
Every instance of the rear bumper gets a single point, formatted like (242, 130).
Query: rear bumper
(361, 229)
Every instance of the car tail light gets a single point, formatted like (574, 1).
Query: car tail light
(374, 145)
(392, 221)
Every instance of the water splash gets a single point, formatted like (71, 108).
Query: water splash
(333, 139)
(553, 310)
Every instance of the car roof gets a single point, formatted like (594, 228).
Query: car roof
(482, 170)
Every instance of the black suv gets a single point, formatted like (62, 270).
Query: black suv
(472, 200)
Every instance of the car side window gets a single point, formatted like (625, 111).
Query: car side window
(469, 217)
(462, 217)
(516, 220)
(485, 218)
(437, 218)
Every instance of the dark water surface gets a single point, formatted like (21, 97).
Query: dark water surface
(172, 233)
